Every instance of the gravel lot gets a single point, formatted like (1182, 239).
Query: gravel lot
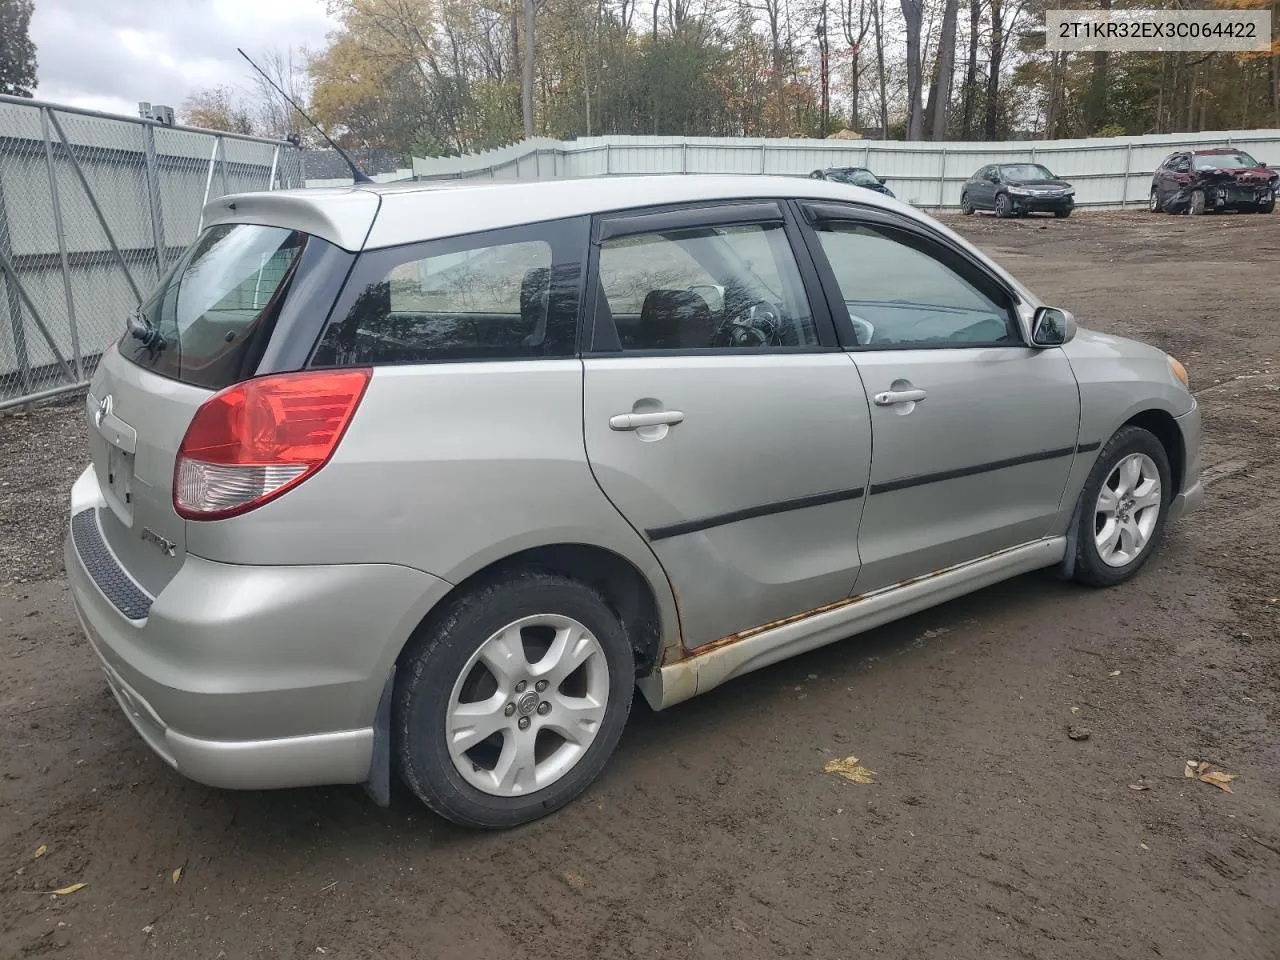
(988, 831)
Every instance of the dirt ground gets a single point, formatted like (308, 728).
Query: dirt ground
(714, 833)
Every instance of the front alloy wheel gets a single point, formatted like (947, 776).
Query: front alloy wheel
(1126, 510)
(1121, 512)
(1004, 206)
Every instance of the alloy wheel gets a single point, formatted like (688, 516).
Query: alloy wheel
(1127, 509)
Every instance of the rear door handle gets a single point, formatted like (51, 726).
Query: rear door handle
(634, 421)
(890, 397)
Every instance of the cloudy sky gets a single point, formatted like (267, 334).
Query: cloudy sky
(110, 54)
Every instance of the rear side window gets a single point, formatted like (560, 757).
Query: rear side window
(208, 322)
(503, 295)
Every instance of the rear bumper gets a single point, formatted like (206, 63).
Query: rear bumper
(254, 677)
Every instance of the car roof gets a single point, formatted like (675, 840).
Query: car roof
(369, 216)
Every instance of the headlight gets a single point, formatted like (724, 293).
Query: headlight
(1179, 371)
(1069, 193)
(1019, 192)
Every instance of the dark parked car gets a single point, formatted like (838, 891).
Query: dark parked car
(1222, 178)
(858, 176)
(1016, 189)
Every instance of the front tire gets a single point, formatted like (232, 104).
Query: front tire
(1154, 203)
(1122, 508)
(510, 701)
(1268, 207)
(1196, 207)
(1062, 214)
(1004, 206)
(966, 205)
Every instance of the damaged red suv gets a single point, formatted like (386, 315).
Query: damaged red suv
(1222, 178)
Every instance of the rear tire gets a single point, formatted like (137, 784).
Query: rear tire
(1004, 206)
(490, 661)
(1121, 518)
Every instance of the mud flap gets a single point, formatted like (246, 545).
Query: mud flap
(1067, 568)
(378, 786)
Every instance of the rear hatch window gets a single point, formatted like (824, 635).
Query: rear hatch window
(210, 319)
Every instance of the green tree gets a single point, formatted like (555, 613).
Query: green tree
(17, 52)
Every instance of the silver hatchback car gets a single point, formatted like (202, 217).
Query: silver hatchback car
(426, 481)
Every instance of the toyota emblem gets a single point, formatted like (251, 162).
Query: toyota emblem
(104, 408)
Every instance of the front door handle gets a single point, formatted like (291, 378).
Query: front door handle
(634, 421)
(890, 397)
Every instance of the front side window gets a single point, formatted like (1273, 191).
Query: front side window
(714, 287)
(899, 294)
(209, 319)
(505, 297)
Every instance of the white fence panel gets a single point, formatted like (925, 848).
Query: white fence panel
(1107, 172)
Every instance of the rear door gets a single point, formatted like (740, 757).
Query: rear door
(721, 417)
(974, 430)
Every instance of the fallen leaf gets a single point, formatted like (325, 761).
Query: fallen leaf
(574, 880)
(1114, 673)
(66, 891)
(1075, 709)
(851, 770)
(1189, 771)
(148, 928)
(1144, 846)
(1219, 779)
(40, 852)
(177, 874)
(1139, 786)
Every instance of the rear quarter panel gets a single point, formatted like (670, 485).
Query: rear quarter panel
(446, 468)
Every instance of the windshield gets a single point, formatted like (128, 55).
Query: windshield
(204, 323)
(854, 175)
(1026, 171)
(1225, 161)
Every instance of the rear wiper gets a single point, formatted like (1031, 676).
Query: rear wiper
(140, 328)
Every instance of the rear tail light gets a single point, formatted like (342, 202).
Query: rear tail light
(251, 442)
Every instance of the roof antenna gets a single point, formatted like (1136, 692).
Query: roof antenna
(357, 175)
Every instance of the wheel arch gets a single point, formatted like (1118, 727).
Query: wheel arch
(1165, 428)
(627, 590)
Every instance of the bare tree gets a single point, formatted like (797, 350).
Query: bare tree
(877, 10)
(855, 34)
(526, 79)
(971, 70)
(1001, 30)
(824, 66)
(272, 113)
(913, 17)
(940, 91)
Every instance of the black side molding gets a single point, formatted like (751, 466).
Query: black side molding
(1088, 447)
(917, 481)
(749, 513)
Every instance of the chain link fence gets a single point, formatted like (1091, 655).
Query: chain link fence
(93, 211)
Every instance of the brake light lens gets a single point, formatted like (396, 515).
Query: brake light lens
(253, 441)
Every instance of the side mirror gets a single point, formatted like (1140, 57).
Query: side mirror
(883, 180)
(993, 177)
(1052, 327)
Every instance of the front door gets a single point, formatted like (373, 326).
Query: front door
(721, 418)
(974, 431)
